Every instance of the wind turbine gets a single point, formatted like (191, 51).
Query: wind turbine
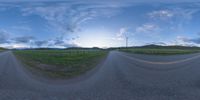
(126, 42)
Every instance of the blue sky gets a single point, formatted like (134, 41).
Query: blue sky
(105, 23)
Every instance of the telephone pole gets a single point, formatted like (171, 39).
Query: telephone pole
(126, 42)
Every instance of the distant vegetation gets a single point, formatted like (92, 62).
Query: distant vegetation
(161, 50)
(2, 49)
(61, 63)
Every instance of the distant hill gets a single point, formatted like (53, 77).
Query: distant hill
(82, 48)
(169, 47)
(71, 48)
(151, 46)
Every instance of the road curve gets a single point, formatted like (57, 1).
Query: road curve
(120, 77)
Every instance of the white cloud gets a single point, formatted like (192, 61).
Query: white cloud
(185, 14)
(161, 14)
(13, 45)
(21, 28)
(182, 40)
(121, 34)
(174, 18)
(4, 36)
(188, 41)
(106, 1)
(67, 17)
(169, 14)
(148, 28)
(7, 40)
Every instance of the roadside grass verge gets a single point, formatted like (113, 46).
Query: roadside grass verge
(2, 49)
(60, 63)
(160, 51)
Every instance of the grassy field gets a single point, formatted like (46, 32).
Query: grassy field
(2, 49)
(160, 51)
(61, 63)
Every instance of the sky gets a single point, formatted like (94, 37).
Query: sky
(94, 23)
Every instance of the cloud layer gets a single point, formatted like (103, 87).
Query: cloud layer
(67, 18)
(4, 36)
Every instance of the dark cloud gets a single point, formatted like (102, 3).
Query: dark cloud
(41, 43)
(190, 40)
(61, 42)
(157, 43)
(58, 41)
(66, 45)
(23, 39)
(4, 37)
(196, 40)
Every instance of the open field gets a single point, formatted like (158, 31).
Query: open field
(161, 50)
(2, 49)
(61, 63)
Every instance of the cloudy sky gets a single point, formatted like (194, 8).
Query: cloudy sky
(104, 23)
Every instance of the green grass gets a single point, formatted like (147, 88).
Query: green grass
(61, 63)
(160, 51)
(2, 49)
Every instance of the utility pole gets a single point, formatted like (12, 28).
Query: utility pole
(30, 44)
(126, 42)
